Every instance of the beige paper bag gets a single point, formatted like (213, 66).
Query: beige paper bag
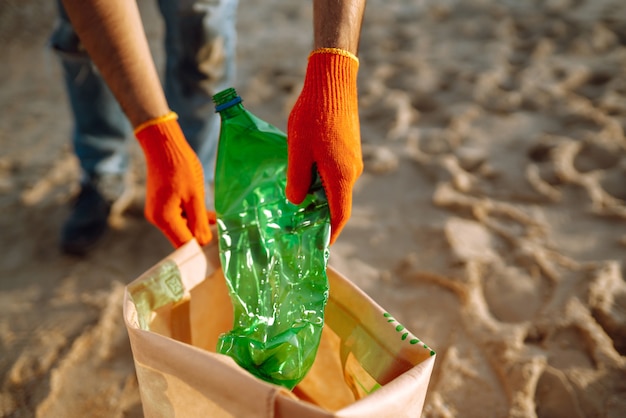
(368, 365)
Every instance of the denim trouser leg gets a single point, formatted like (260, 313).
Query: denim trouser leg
(200, 61)
(100, 127)
(200, 38)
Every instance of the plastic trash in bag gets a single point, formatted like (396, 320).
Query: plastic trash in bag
(273, 253)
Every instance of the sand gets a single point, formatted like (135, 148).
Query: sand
(490, 219)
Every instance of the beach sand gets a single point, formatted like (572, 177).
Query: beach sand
(490, 219)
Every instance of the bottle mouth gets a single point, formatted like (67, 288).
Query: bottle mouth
(225, 99)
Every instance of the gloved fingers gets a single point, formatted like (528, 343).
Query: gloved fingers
(338, 181)
(197, 219)
(339, 196)
(299, 176)
(169, 219)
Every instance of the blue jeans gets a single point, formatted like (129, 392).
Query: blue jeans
(200, 39)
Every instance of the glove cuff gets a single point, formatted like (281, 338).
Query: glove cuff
(156, 121)
(331, 79)
(161, 137)
(334, 51)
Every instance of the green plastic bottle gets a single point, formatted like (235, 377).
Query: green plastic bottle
(273, 253)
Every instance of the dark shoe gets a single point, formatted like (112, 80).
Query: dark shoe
(87, 223)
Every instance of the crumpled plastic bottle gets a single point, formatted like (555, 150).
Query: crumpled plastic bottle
(274, 253)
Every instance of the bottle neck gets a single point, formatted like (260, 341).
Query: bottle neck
(228, 103)
(231, 111)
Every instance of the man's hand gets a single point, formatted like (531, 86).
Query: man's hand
(175, 185)
(323, 129)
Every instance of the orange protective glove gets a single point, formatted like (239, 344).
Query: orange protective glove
(175, 184)
(323, 132)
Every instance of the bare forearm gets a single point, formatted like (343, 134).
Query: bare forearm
(112, 33)
(337, 23)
